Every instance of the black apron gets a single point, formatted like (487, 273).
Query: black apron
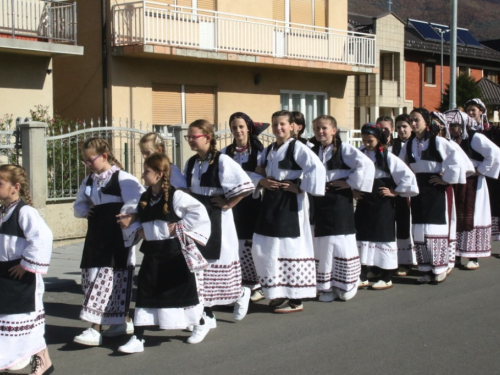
(16, 296)
(164, 280)
(279, 214)
(104, 245)
(213, 247)
(335, 212)
(403, 221)
(429, 206)
(375, 216)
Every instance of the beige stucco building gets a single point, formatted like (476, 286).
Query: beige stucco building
(383, 92)
(167, 64)
(31, 35)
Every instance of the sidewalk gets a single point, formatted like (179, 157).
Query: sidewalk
(64, 267)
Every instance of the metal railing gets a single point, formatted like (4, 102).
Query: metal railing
(146, 22)
(64, 163)
(9, 141)
(225, 138)
(52, 21)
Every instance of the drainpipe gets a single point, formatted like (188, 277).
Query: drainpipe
(104, 46)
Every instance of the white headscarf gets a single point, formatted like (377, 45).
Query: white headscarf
(443, 123)
(484, 118)
(455, 116)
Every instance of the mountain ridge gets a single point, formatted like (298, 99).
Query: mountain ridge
(481, 17)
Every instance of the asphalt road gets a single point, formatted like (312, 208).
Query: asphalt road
(451, 328)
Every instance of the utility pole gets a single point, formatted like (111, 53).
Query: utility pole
(453, 56)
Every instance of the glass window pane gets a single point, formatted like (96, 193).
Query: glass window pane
(320, 105)
(309, 112)
(285, 101)
(296, 102)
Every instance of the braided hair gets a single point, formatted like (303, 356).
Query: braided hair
(101, 146)
(159, 163)
(16, 174)
(156, 141)
(207, 129)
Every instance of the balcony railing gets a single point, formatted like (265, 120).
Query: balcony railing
(147, 22)
(51, 21)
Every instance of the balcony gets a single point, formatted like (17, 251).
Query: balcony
(147, 27)
(39, 27)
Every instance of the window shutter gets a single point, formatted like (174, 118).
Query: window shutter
(301, 12)
(206, 4)
(185, 3)
(200, 103)
(319, 13)
(167, 104)
(279, 10)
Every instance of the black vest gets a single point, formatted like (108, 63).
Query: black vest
(429, 154)
(288, 163)
(211, 176)
(467, 147)
(112, 187)
(10, 227)
(150, 213)
(251, 164)
(336, 161)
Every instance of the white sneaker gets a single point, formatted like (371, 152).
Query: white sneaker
(133, 345)
(441, 277)
(126, 328)
(363, 284)
(326, 297)
(89, 337)
(190, 328)
(210, 322)
(257, 295)
(381, 285)
(241, 305)
(20, 365)
(472, 265)
(199, 333)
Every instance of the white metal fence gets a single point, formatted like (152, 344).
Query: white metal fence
(64, 164)
(146, 22)
(46, 20)
(10, 152)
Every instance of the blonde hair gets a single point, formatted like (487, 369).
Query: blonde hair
(155, 139)
(159, 163)
(101, 147)
(207, 129)
(16, 174)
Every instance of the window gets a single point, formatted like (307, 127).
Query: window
(305, 12)
(492, 75)
(311, 104)
(182, 104)
(463, 70)
(387, 66)
(430, 73)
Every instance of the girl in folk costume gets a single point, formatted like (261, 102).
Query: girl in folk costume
(435, 164)
(245, 150)
(219, 183)
(282, 244)
(25, 251)
(375, 216)
(153, 143)
(472, 200)
(476, 109)
(108, 263)
(404, 240)
(167, 291)
(386, 123)
(337, 259)
(441, 127)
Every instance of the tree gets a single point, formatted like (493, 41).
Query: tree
(467, 88)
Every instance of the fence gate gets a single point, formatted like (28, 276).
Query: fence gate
(65, 169)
